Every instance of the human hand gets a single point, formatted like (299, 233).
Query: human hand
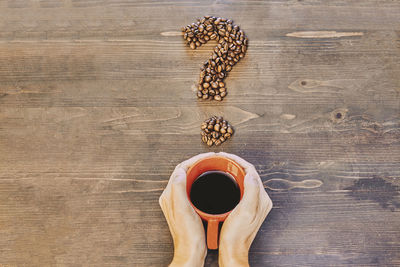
(184, 223)
(241, 226)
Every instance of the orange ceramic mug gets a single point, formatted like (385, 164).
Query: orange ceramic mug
(215, 163)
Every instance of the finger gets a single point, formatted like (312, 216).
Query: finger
(167, 213)
(179, 194)
(187, 163)
(267, 201)
(246, 165)
(257, 177)
(265, 208)
(249, 203)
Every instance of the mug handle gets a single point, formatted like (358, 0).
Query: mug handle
(212, 234)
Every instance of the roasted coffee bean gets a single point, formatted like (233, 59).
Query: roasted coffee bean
(215, 131)
(201, 27)
(215, 134)
(210, 142)
(232, 46)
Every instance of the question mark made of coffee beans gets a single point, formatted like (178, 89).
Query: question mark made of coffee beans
(232, 46)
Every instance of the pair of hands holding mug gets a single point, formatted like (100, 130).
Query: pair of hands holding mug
(238, 231)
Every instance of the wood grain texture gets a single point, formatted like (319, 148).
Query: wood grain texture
(97, 106)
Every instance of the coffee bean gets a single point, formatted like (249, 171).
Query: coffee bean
(223, 94)
(206, 85)
(218, 142)
(207, 79)
(214, 85)
(216, 127)
(209, 142)
(230, 130)
(215, 134)
(217, 97)
(199, 95)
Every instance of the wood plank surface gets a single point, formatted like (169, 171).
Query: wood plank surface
(97, 106)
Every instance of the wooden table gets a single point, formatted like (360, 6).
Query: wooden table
(97, 106)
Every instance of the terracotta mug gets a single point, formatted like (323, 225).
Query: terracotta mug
(215, 163)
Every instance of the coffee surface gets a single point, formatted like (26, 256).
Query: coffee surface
(215, 192)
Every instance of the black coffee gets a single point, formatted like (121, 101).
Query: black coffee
(215, 192)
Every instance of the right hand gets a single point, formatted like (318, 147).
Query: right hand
(241, 226)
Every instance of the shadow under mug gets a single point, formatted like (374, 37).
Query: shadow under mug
(215, 163)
